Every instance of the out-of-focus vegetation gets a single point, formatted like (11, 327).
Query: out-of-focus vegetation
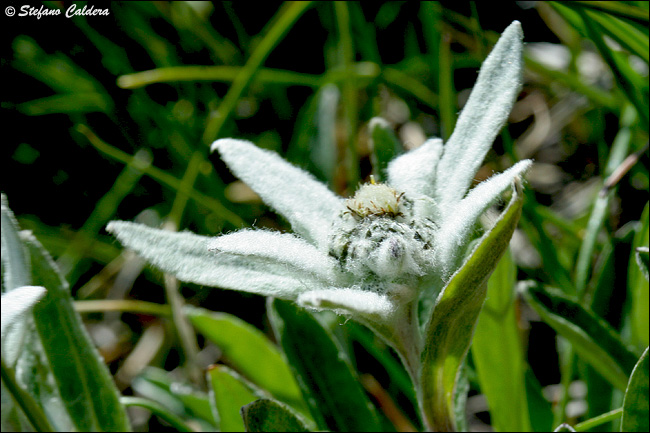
(111, 117)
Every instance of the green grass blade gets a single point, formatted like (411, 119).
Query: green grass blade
(592, 338)
(498, 353)
(625, 76)
(635, 405)
(384, 145)
(638, 285)
(619, 9)
(333, 392)
(281, 24)
(539, 408)
(617, 154)
(225, 74)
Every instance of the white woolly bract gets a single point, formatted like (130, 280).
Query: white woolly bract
(348, 300)
(483, 116)
(17, 302)
(415, 172)
(283, 247)
(295, 194)
(186, 256)
(458, 225)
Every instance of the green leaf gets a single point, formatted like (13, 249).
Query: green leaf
(84, 382)
(635, 405)
(540, 410)
(642, 260)
(15, 262)
(249, 351)
(638, 286)
(335, 397)
(323, 150)
(498, 353)
(593, 339)
(270, 416)
(384, 144)
(228, 393)
(158, 385)
(450, 328)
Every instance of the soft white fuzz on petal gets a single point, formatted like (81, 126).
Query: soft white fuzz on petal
(458, 225)
(307, 203)
(17, 302)
(282, 247)
(415, 171)
(348, 300)
(485, 113)
(186, 256)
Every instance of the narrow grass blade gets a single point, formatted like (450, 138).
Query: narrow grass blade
(384, 144)
(638, 285)
(593, 339)
(498, 353)
(635, 405)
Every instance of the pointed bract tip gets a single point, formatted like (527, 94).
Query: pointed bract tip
(514, 27)
(223, 144)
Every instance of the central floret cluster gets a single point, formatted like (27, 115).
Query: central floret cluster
(384, 233)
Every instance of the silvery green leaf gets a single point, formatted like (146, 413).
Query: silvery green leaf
(346, 300)
(307, 203)
(15, 304)
(384, 145)
(415, 171)
(641, 256)
(485, 113)
(457, 226)
(186, 256)
(15, 265)
(282, 247)
(451, 324)
(16, 272)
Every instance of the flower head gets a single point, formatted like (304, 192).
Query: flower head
(369, 255)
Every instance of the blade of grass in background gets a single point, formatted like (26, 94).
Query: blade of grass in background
(278, 28)
(593, 339)
(498, 353)
(635, 405)
(638, 286)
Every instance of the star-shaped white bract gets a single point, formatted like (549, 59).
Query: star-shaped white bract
(369, 255)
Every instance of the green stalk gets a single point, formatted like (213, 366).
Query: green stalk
(285, 19)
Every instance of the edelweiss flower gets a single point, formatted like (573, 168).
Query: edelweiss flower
(371, 256)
